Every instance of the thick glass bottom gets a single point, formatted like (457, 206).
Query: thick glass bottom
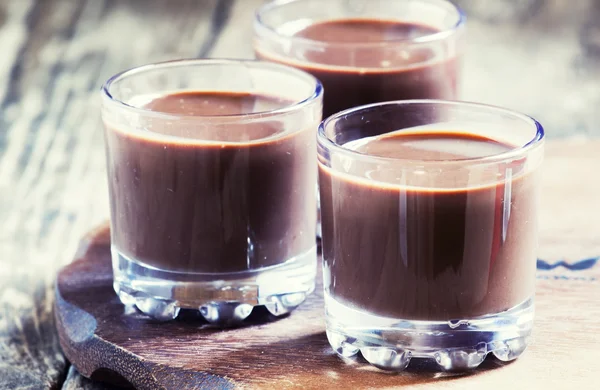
(221, 298)
(457, 345)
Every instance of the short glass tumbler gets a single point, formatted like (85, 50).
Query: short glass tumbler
(429, 222)
(366, 51)
(209, 208)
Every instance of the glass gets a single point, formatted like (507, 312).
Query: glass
(366, 51)
(429, 217)
(208, 210)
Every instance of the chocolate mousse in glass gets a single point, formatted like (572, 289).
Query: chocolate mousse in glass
(429, 231)
(366, 51)
(208, 164)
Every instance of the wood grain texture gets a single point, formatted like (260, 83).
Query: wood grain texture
(101, 337)
(538, 56)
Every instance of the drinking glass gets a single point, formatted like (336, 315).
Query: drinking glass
(429, 252)
(421, 61)
(209, 212)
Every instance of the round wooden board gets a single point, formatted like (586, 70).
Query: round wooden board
(106, 341)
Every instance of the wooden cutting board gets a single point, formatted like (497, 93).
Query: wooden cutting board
(108, 342)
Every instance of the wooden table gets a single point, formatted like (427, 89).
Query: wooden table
(540, 57)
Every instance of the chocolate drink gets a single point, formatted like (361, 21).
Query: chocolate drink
(436, 250)
(353, 77)
(195, 195)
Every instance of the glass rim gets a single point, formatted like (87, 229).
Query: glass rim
(108, 98)
(517, 151)
(441, 35)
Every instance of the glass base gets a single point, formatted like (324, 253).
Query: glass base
(222, 299)
(459, 345)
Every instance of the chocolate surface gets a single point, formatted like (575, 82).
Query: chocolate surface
(230, 196)
(354, 75)
(440, 249)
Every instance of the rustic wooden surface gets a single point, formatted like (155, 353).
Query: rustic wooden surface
(538, 56)
(103, 338)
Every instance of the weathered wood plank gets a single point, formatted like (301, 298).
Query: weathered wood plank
(29, 353)
(540, 57)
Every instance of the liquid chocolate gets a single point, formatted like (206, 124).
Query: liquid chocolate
(193, 195)
(353, 77)
(437, 250)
